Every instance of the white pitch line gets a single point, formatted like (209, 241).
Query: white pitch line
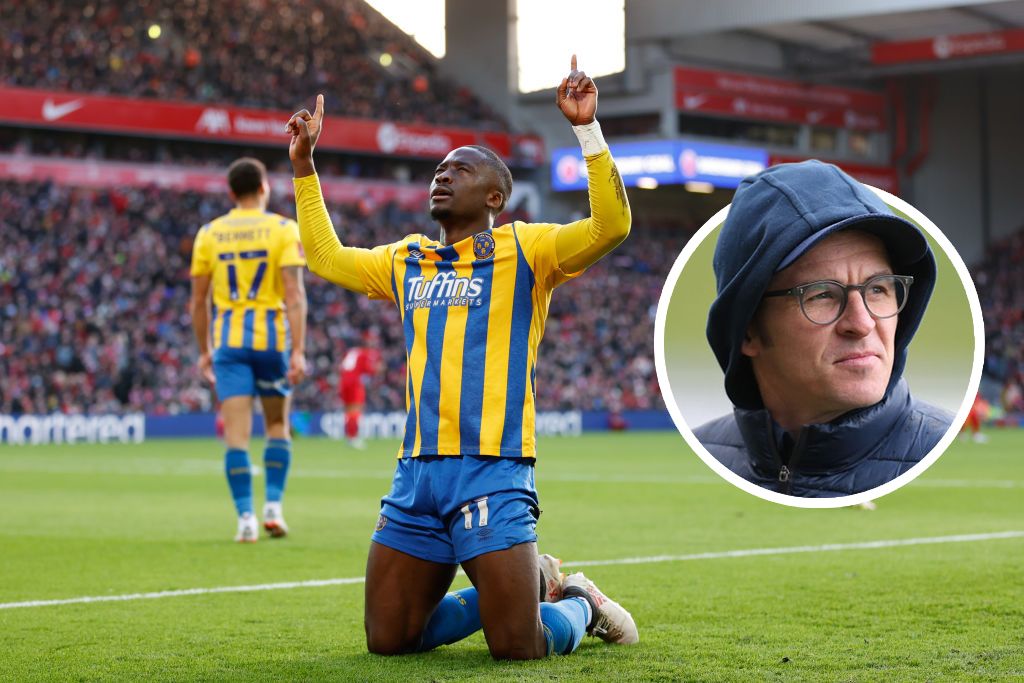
(186, 591)
(829, 547)
(749, 552)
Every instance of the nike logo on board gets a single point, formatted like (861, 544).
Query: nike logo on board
(53, 111)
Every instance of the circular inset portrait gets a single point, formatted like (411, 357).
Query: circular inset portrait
(819, 341)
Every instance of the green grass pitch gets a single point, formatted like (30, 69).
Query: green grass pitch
(115, 520)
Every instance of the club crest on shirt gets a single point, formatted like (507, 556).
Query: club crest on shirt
(483, 246)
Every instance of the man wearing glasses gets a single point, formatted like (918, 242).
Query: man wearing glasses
(820, 290)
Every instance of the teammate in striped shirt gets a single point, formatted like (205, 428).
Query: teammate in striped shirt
(252, 339)
(473, 306)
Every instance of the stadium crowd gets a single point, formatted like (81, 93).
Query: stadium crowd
(1000, 282)
(244, 52)
(94, 289)
(598, 350)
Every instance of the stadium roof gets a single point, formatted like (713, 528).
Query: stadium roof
(830, 38)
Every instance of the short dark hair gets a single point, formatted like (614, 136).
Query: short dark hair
(246, 176)
(500, 170)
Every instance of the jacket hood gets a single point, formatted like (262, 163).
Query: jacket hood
(775, 217)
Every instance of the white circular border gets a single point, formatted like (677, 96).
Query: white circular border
(795, 501)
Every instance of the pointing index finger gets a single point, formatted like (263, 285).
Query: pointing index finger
(319, 113)
(572, 63)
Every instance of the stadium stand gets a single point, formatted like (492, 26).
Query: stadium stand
(76, 145)
(597, 352)
(999, 278)
(94, 285)
(94, 282)
(266, 55)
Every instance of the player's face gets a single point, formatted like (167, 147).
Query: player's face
(463, 186)
(810, 373)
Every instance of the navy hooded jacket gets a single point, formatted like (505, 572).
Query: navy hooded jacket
(775, 217)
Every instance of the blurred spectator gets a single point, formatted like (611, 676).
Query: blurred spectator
(274, 55)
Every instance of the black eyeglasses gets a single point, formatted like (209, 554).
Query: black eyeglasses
(824, 301)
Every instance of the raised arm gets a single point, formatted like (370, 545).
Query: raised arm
(324, 252)
(580, 244)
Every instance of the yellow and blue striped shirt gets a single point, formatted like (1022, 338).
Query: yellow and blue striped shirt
(473, 312)
(243, 253)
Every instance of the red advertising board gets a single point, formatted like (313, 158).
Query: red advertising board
(883, 177)
(776, 110)
(132, 116)
(939, 48)
(102, 174)
(778, 88)
(738, 95)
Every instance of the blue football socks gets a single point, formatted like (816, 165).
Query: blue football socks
(276, 459)
(565, 623)
(457, 617)
(236, 466)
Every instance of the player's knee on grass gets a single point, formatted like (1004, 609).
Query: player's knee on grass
(507, 642)
(559, 631)
(532, 650)
(389, 641)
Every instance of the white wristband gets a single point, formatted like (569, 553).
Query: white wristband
(590, 137)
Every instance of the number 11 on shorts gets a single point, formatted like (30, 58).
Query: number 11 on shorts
(481, 508)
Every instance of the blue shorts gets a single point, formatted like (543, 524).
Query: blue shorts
(245, 372)
(451, 509)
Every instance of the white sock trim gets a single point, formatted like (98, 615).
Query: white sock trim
(590, 137)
